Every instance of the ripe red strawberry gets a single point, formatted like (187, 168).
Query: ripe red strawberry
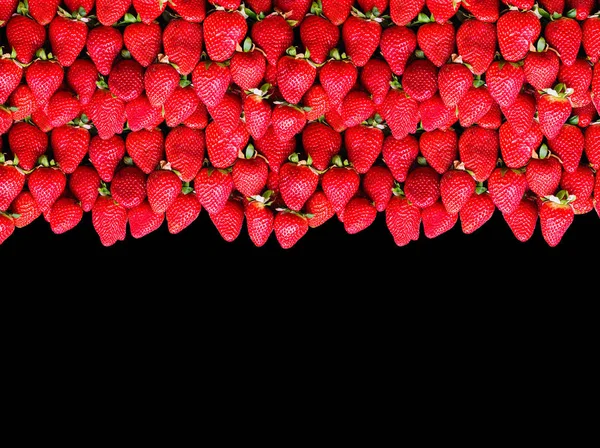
(184, 148)
(541, 69)
(163, 187)
(160, 81)
(41, 120)
(75, 6)
(504, 82)
(11, 183)
(358, 215)
(400, 113)
(143, 220)
(506, 188)
(319, 209)
(553, 6)
(439, 148)
(7, 227)
(543, 175)
(141, 114)
(334, 119)
(565, 35)
(257, 114)
(213, 188)
(190, 10)
(478, 150)
(295, 10)
(337, 78)
(361, 39)
(227, 113)
(104, 44)
(183, 44)
(25, 206)
(145, 148)
(250, 174)
(583, 8)
(183, 212)
(437, 41)
(182, 103)
(128, 187)
(26, 36)
(126, 80)
(69, 146)
(44, 78)
(211, 81)
(364, 145)
(492, 119)
(297, 183)
(6, 120)
(420, 80)
(456, 188)
(248, 66)
(476, 212)
(397, 45)
(568, 146)
(516, 148)
(229, 220)
(110, 220)
(442, 10)
(287, 121)
(591, 38)
(295, 75)
(522, 221)
(454, 81)
(273, 35)
(222, 32)
(436, 220)
(579, 183)
(223, 149)
(143, 42)
(46, 184)
(585, 115)
(22, 102)
(555, 219)
(149, 10)
(422, 187)
(375, 77)
(553, 111)
(474, 105)
(7, 8)
(10, 77)
(28, 143)
(579, 78)
(403, 220)
(399, 155)
(476, 43)
(484, 10)
(337, 11)
(111, 11)
(289, 228)
(517, 31)
(319, 36)
(64, 215)
(81, 77)
(520, 113)
(321, 143)
(592, 146)
(356, 108)
(84, 184)
(377, 184)
(62, 108)
(107, 113)
(198, 119)
(259, 219)
(105, 155)
(67, 39)
(340, 184)
(275, 150)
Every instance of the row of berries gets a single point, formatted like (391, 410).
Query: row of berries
(180, 106)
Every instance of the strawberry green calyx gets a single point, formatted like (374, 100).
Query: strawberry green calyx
(336, 55)
(80, 14)
(562, 198)
(422, 161)
(12, 55)
(480, 188)
(559, 91)
(186, 189)
(41, 54)
(267, 198)
(23, 8)
(293, 212)
(262, 92)
(248, 13)
(397, 190)
(293, 51)
(374, 14)
(294, 106)
(184, 81)
(395, 83)
(103, 190)
(43, 161)
(458, 165)
(10, 215)
(101, 83)
(316, 8)
(574, 120)
(540, 46)
(478, 82)
(128, 161)
(249, 153)
(375, 122)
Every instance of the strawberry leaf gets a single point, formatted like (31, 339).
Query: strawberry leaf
(574, 120)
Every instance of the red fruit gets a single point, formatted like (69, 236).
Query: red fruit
(320, 208)
(337, 11)
(478, 150)
(397, 45)
(358, 215)
(287, 121)
(492, 119)
(25, 206)
(145, 148)
(143, 220)
(442, 10)
(149, 10)
(142, 115)
(104, 44)
(437, 41)
(111, 11)
(297, 183)
(565, 35)
(10, 77)
(356, 108)
(377, 184)
(183, 212)
(422, 187)
(375, 77)
(476, 212)
(523, 220)
(67, 39)
(213, 188)
(183, 44)
(543, 176)
(274, 150)
(69, 146)
(439, 148)
(579, 78)
(476, 43)
(273, 35)
(182, 103)
(321, 143)
(553, 6)
(62, 108)
(128, 187)
(211, 81)
(579, 183)
(399, 155)
(474, 105)
(143, 42)
(222, 32)
(364, 145)
(7, 227)
(586, 115)
(333, 119)
(11, 183)
(259, 219)
(361, 39)
(23, 101)
(520, 113)
(46, 185)
(44, 78)
(403, 12)
(229, 220)
(7, 8)
(84, 184)
(26, 36)
(555, 219)
(198, 119)
(553, 112)
(41, 120)
(64, 215)
(506, 188)
(109, 220)
(516, 149)
(456, 188)
(6, 120)
(163, 187)
(294, 77)
(401, 113)
(436, 220)
(454, 81)
(319, 36)
(223, 149)
(591, 38)
(75, 5)
(568, 146)
(289, 228)
(504, 82)
(184, 148)
(105, 155)
(592, 146)
(28, 143)
(257, 114)
(248, 68)
(403, 220)
(190, 10)
(338, 78)
(583, 8)
(227, 113)
(484, 10)
(250, 176)
(160, 82)
(420, 80)
(126, 80)
(517, 31)
(81, 77)
(107, 113)
(541, 69)
(340, 184)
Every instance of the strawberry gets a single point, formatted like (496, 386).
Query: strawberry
(321, 143)
(28, 143)
(436, 220)
(6, 120)
(190, 10)
(437, 41)
(80, 6)
(44, 78)
(145, 148)
(22, 102)
(69, 146)
(143, 220)
(248, 66)
(183, 44)
(337, 78)
(46, 184)
(67, 39)
(476, 43)
(10, 77)
(506, 188)
(484, 10)
(377, 184)
(522, 221)
(361, 39)
(259, 219)
(62, 108)
(442, 10)
(143, 42)
(273, 35)
(334, 119)
(198, 119)
(126, 80)
(106, 154)
(439, 148)
(213, 188)
(422, 187)
(456, 188)
(504, 82)
(340, 184)
(364, 144)
(592, 146)
(26, 36)
(183, 212)
(24, 205)
(250, 174)
(403, 220)
(476, 212)
(319, 36)
(294, 10)
(474, 105)
(257, 113)
(107, 113)
(110, 220)
(454, 81)
(579, 183)
(583, 8)
(160, 81)
(104, 44)
(356, 108)
(543, 173)
(7, 227)
(358, 215)
(226, 114)
(12, 181)
(111, 11)
(184, 148)
(163, 187)
(149, 10)
(397, 45)
(222, 32)
(568, 146)
(229, 220)
(41, 120)
(579, 78)
(81, 77)
(289, 228)
(211, 81)
(275, 150)
(585, 115)
(553, 111)
(182, 103)
(400, 113)
(517, 31)
(555, 218)
(297, 183)
(319, 209)
(64, 215)
(541, 69)
(420, 80)
(516, 148)
(478, 150)
(287, 121)
(128, 187)
(337, 11)
(553, 6)
(7, 8)
(491, 120)
(435, 114)
(399, 155)
(520, 113)
(591, 38)
(565, 35)
(295, 75)
(84, 184)
(141, 114)
(375, 77)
